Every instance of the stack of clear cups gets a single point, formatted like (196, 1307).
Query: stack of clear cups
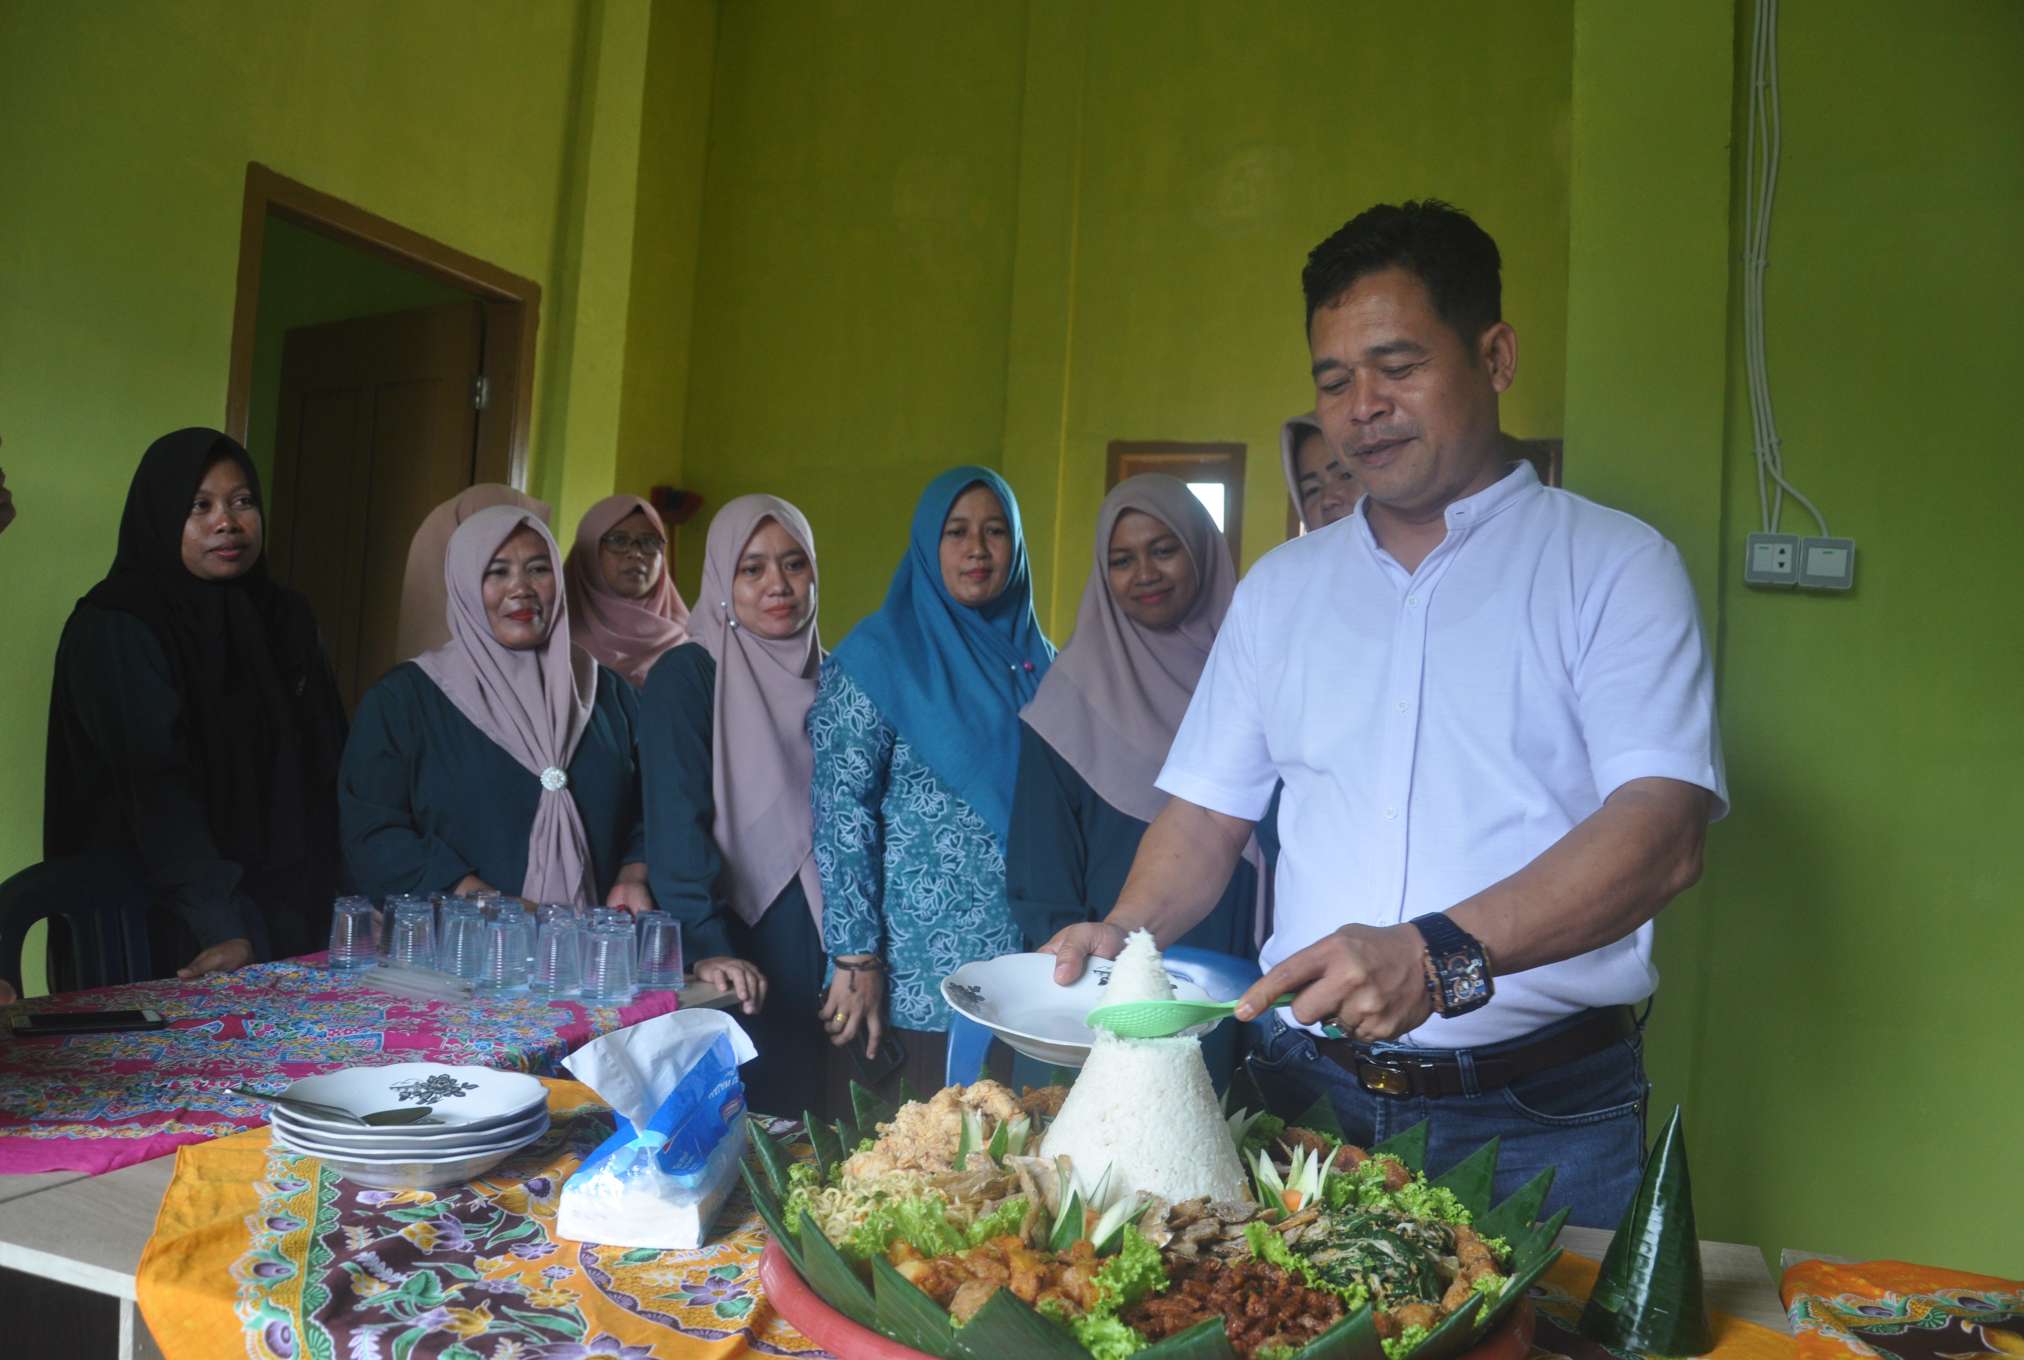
(558, 952)
(502, 958)
(608, 967)
(660, 956)
(354, 933)
(463, 938)
(414, 932)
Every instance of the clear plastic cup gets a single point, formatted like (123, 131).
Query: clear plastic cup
(463, 939)
(608, 964)
(660, 951)
(502, 957)
(354, 933)
(414, 933)
(558, 954)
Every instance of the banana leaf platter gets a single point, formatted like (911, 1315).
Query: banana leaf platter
(815, 1287)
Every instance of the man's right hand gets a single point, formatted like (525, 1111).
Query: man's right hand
(1074, 946)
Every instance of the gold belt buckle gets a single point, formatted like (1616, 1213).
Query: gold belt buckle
(1382, 1080)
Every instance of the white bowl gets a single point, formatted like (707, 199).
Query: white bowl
(467, 1098)
(406, 1139)
(1014, 997)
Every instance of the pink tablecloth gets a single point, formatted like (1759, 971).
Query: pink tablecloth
(99, 1102)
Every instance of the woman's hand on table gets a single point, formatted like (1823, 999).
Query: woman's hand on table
(856, 1002)
(735, 975)
(219, 958)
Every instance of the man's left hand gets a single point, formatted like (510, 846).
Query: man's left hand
(1371, 980)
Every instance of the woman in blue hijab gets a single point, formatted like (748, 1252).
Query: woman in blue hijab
(915, 727)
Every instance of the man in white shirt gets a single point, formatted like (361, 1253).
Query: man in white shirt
(1493, 711)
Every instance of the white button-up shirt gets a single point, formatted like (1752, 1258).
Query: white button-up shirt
(1438, 729)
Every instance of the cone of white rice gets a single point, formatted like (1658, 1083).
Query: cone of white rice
(1144, 1109)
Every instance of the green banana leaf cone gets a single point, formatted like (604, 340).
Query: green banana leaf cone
(1649, 1297)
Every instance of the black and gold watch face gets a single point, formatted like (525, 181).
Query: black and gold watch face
(1465, 981)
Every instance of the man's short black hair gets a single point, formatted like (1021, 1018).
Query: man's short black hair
(1438, 243)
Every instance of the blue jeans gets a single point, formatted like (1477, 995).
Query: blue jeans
(1586, 1118)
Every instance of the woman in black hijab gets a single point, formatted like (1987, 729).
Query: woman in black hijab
(195, 724)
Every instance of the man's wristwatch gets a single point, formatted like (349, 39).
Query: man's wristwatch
(1458, 971)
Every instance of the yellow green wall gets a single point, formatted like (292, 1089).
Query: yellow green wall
(1838, 1011)
(1857, 1084)
(990, 232)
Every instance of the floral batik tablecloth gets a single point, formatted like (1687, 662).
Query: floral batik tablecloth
(260, 1253)
(98, 1102)
(1891, 1310)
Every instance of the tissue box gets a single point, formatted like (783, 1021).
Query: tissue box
(660, 1179)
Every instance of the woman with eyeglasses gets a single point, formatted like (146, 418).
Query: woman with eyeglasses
(503, 760)
(622, 599)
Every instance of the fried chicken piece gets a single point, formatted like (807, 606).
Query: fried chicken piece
(1042, 1102)
(969, 1297)
(1415, 1315)
(1474, 1260)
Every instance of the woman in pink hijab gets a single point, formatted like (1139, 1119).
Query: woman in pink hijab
(726, 766)
(621, 596)
(503, 759)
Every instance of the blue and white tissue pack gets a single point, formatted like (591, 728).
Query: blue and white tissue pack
(660, 1179)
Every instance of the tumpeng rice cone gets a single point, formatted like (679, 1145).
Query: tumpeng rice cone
(1649, 1296)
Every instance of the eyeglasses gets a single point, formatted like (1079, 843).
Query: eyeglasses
(646, 545)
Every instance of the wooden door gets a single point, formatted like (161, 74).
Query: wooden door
(378, 425)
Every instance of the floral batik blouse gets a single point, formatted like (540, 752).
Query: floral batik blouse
(908, 868)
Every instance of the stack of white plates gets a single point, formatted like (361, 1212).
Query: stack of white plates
(479, 1118)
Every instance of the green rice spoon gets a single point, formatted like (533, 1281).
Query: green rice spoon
(1163, 1019)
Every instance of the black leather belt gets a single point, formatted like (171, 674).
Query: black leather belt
(1437, 1072)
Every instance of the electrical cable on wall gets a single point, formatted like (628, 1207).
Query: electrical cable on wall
(1774, 558)
(1761, 188)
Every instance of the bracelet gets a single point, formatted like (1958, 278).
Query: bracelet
(870, 965)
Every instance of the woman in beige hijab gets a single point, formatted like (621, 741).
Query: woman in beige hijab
(726, 766)
(1093, 739)
(505, 758)
(422, 626)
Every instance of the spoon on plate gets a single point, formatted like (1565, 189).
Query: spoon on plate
(1163, 1019)
(405, 1114)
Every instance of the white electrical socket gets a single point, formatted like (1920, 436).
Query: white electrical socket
(1827, 564)
(1773, 559)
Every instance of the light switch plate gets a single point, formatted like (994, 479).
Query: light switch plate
(1772, 560)
(1827, 564)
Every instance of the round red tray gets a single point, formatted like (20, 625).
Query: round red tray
(841, 1337)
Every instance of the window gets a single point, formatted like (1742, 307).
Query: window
(1214, 472)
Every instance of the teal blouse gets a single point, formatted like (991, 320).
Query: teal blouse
(425, 798)
(909, 870)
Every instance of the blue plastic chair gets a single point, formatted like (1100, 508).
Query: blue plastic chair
(1225, 977)
(106, 936)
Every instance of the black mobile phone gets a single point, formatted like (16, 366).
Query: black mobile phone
(59, 1024)
(892, 1055)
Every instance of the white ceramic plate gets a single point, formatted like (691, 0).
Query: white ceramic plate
(348, 1157)
(420, 1175)
(1014, 997)
(470, 1098)
(408, 1139)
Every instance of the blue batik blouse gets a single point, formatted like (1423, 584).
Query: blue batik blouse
(909, 870)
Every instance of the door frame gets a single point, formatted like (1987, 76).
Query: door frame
(512, 309)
